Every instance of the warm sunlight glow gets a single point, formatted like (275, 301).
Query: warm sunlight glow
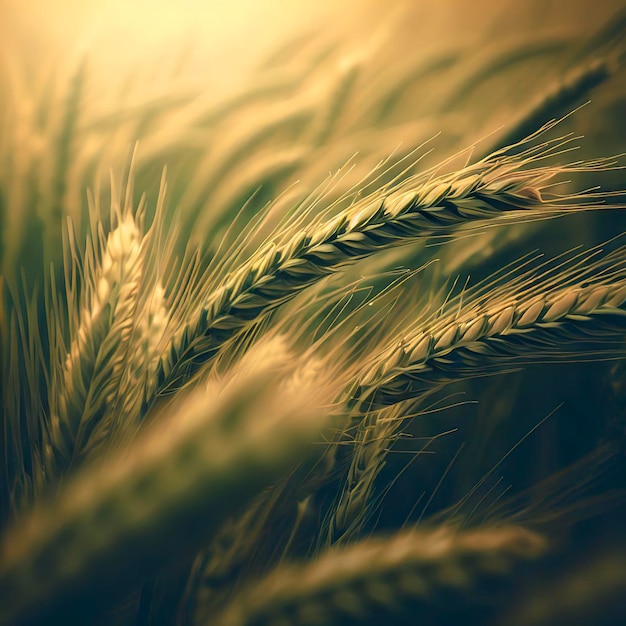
(312, 312)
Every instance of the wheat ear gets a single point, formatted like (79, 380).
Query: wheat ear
(376, 578)
(278, 272)
(113, 523)
(95, 359)
(532, 325)
(141, 358)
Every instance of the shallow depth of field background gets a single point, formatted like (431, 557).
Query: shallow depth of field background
(216, 43)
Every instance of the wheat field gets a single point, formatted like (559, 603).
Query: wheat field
(313, 313)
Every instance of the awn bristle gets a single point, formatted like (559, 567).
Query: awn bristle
(482, 340)
(279, 271)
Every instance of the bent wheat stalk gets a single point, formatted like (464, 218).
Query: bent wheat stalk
(377, 578)
(534, 325)
(279, 271)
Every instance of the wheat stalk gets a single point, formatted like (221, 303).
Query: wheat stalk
(95, 359)
(348, 75)
(112, 489)
(278, 272)
(376, 578)
(498, 57)
(238, 143)
(64, 145)
(21, 371)
(529, 324)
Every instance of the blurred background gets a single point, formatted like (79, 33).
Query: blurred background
(294, 86)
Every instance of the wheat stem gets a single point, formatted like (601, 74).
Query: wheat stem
(63, 146)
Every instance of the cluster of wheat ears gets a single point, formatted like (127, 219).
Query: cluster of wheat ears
(239, 399)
